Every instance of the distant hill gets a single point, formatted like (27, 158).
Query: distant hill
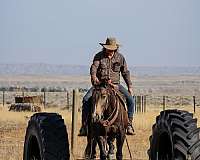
(49, 69)
(165, 70)
(42, 69)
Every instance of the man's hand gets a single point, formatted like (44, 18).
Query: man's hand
(110, 82)
(95, 80)
(113, 85)
(130, 90)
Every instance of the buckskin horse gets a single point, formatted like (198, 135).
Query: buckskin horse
(108, 120)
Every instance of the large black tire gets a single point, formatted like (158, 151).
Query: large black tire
(175, 136)
(46, 138)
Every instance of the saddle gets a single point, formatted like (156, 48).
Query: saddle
(121, 98)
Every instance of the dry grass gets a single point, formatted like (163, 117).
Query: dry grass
(13, 126)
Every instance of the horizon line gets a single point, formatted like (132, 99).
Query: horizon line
(57, 64)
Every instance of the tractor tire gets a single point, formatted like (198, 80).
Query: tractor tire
(175, 136)
(46, 138)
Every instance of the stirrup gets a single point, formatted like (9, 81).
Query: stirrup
(130, 130)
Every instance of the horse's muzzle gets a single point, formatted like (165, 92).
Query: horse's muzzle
(97, 118)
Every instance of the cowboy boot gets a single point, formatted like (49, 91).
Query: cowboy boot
(130, 129)
(83, 131)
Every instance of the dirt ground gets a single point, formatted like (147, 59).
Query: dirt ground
(13, 126)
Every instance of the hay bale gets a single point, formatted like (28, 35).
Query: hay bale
(24, 107)
(29, 99)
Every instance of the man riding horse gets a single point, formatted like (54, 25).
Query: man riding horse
(108, 64)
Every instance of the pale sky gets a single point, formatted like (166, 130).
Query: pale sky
(151, 32)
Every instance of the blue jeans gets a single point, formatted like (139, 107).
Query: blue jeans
(86, 102)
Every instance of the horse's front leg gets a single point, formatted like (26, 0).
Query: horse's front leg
(94, 144)
(88, 148)
(110, 141)
(100, 141)
(90, 151)
(120, 141)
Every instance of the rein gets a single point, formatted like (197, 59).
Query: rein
(113, 116)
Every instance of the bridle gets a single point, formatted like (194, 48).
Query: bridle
(114, 114)
(111, 119)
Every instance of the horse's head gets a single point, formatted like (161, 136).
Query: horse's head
(101, 96)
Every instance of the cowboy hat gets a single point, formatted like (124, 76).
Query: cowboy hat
(111, 44)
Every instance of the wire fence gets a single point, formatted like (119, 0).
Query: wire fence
(143, 103)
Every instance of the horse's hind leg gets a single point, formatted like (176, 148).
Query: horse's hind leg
(120, 141)
(100, 141)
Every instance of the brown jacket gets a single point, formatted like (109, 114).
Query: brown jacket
(105, 68)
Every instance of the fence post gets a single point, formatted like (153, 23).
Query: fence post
(164, 103)
(3, 98)
(138, 103)
(67, 100)
(23, 95)
(194, 101)
(135, 105)
(145, 103)
(44, 99)
(142, 103)
(74, 121)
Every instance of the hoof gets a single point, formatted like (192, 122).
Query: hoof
(87, 157)
(111, 156)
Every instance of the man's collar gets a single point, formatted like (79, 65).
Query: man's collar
(105, 55)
